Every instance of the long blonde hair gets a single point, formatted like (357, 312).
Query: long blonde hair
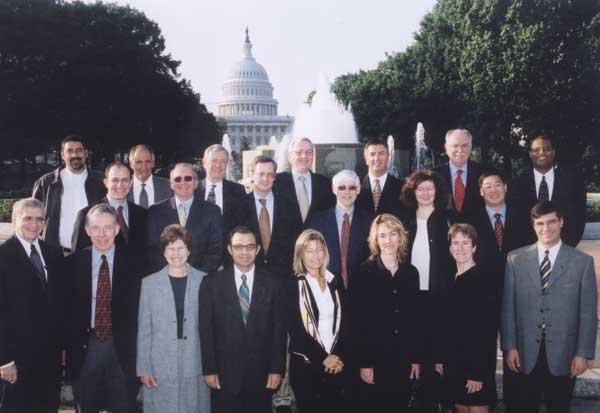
(393, 224)
(301, 245)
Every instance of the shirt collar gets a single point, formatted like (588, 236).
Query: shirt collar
(491, 212)
(463, 168)
(187, 203)
(115, 204)
(539, 175)
(27, 244)
(339, 212)
(297, 174)
(238, 273)
(328, 277)
(381, 178)
(268, 197)
(552, 250)
(149, 182)
(97, 255)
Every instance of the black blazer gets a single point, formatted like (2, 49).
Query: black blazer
(390, 197)
(31, 316)
(233, 196)
(138, 228)
(473, 201)
(205, 224)
(125, 288)
(242, 355)
(358, 247)
(568, 194)
(162, 189)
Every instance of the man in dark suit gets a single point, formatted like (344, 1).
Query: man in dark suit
(242, 331)
(380, 192)
(132, 218)
(102, 318)
(549, 314)
(548, 182)
(461, 176)
(201, 219)
(32, 296)
(306, 192)
(147, 189)
(345, 228)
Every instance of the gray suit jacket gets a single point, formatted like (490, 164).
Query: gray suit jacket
(569, 307)
(162, 189)
(157, 329)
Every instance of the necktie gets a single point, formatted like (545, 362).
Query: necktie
(36, 260)
(244, 294)
(264, 225)
(499, 230)
(344, 248)
(182, 214)
(545, 270)
(122, 223)
(144, 197)
(459, 190)
(212, 198)
(376, 194)
(103, 325)
(543, 193)
(303, 198)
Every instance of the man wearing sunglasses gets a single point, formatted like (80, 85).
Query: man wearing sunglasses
(202, 219)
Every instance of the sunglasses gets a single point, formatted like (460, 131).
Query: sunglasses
(344, 187)
(186, 178)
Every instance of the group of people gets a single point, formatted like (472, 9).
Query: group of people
(340, 295)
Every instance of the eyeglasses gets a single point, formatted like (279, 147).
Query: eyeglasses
(187, 178)
(241, 247)
(344, 187)
(97, 229)
(29, 220)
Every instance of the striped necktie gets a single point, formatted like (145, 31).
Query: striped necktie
(376, 195)
(244, 294)
(545, 270)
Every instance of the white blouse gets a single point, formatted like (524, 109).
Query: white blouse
(326, 310)
(420, 254)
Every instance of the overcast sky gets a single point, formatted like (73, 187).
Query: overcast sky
(293, 39)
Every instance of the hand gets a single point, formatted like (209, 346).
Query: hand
(9, 373)
(333, 364)
(473, 386)
(415, 371)
(439, 367)
(148, 381)
(578, 365)
(513, 360)
(273, 381)
(212, 381)
(367, 376)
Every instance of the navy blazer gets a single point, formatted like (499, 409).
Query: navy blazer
(473, 201)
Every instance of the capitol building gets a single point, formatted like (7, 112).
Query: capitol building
(247, 105)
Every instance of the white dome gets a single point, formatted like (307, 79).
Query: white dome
(248, 69)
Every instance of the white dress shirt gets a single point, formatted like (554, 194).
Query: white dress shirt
(382, 180)
(537, 176)
(270, 205)
(218, 192)
(307, 184)
(326, 308)
(73, 199)
(552, 253)
(137, 188)
(249, 280)
(27, 246)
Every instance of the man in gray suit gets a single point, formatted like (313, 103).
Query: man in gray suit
(147, 189)
(549, 314)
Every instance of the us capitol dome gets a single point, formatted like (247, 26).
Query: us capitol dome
(247, 105)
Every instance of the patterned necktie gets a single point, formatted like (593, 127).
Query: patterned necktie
(122, 223)
(499, 230)
(103, 325)
(545, 270)
(144, 197)
(264, 225)
(344, 247)
(244, 294)
(212, 197)
(459, 190)
(543, 193)
(303, 198)
(376, 194)
(36, 260)
(182, 214)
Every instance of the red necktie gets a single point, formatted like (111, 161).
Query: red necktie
(103, 325)
(499, 230)
(344, 248)
(122, 224)
(459, 191)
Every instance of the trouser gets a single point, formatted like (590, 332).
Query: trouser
(244, 402)
(284, 396)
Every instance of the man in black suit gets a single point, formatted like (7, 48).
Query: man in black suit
(461, 176)
(201, 219)
(546, 181)
(380, 191)
(102, 318)
(132, 218)
(32, 296)
(147, 189)
(345, 228)
(305, 191)
(242, 331)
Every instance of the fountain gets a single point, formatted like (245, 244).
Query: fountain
(422, 158)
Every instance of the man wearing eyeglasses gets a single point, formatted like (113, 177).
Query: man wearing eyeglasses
(202, 219)
(66, 190)
(32, 297)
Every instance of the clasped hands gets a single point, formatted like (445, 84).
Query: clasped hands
(333, 364)
(9, 373)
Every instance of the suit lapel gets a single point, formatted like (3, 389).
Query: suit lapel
(165, 287)
(257, 297)
(366, 184)
(560, 264)
(533, 263)
(230, 295)
(532, 190)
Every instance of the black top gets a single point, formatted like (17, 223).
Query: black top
(179, 284)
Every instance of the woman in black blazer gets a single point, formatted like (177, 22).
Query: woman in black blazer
(317, 320)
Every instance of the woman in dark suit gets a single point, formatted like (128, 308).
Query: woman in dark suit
(387, 318)
(318, 329)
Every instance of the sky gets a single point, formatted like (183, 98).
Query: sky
(293, 40)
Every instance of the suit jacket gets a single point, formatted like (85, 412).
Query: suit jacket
(390, 197)
(205, 224)
(568, 194)
(138, 228)
(569, 306)
(233, 196)
(242, 355)
(473, 201)
(125, 289)
(358, 248)
(31, 316)
(162, 189)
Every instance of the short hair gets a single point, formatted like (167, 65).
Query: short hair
(184, 165)
(464, 131)
(71, 138)
(139, 146)
(345, 175)
(544, 208)
(214, 148)
(376, 141)
(102, 208)
(394, 224)
(172, 233)
(262, 159)
(466, 229)
(491, 172)
(545, 137)
(305, 237)
(408, 196)
(296, 140)
(240, 229)
(20, 205)
(117, 164)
